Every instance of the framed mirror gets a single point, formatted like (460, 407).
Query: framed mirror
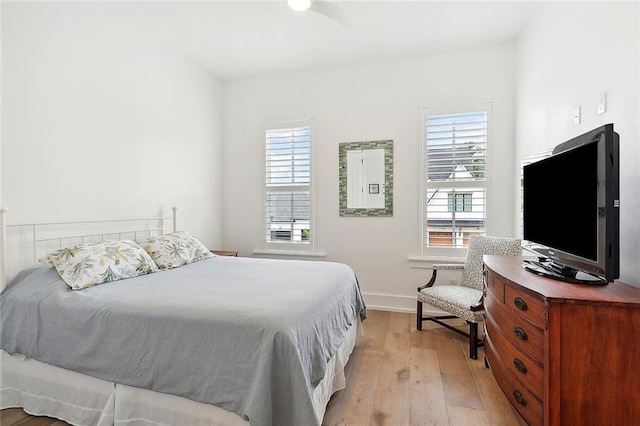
(366, 178)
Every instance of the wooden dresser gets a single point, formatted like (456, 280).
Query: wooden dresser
(563, 354)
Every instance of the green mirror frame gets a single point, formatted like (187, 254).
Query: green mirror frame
(387, 145)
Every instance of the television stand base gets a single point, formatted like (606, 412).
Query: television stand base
(562, 273)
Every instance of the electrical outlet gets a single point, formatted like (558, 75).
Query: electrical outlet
(602, 98)
(576, 116)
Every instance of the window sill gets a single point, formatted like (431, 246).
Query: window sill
(289, 254)
(427, 262)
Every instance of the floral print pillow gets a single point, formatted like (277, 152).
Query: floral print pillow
(86, 265)
(173, 250)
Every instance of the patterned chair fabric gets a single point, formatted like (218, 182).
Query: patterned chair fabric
(479, 246)
(458, 300)
(454, 299)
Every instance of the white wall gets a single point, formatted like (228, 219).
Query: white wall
(359, 103)
(100, 122)
(569, 53)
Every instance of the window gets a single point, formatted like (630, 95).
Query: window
(459, 202)
(455, 176)
(288, 203)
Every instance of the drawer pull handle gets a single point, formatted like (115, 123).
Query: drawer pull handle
(520, 304)
(519, 398)
(520, 333)
(520, 365)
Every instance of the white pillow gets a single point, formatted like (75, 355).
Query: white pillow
(173, 250)
(86, 265)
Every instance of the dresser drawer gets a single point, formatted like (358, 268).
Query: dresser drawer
(523, 367)
(527, 306)
(522, 334)
(529, 407)
(495, 286)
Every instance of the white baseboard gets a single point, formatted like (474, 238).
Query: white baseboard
(395, 303)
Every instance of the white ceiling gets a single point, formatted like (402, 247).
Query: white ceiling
(244, 38)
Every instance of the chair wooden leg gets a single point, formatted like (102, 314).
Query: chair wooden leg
(419, 316)
(473, 340)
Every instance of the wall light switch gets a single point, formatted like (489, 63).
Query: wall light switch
(602, 103)
(576, 116)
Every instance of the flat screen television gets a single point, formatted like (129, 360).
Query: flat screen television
(571, 210)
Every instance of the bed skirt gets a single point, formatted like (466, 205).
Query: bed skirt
(44, 390)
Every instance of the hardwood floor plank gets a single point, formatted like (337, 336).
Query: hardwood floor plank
(353, 405)
(391, 405)
(399, 322)
(17, 417)
(427, 401)
(377, 325)
(499, 411)
(459, 385)
(424, 339)
(467, 416)
(11, 415)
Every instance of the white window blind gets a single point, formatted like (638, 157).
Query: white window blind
(288, 185)
(455, 176)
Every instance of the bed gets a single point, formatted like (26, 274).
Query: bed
(221, 340)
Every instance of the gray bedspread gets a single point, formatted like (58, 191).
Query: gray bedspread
(252, 336)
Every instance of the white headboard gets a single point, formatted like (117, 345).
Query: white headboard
(3, 250)
(35, 239)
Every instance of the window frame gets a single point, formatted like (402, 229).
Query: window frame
(452, 252)
(306, 245)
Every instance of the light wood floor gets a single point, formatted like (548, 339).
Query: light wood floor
(398, 376)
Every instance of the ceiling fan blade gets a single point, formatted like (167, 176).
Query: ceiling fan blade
(330, 10)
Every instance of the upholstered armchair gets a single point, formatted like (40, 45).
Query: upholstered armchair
(465, 300)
